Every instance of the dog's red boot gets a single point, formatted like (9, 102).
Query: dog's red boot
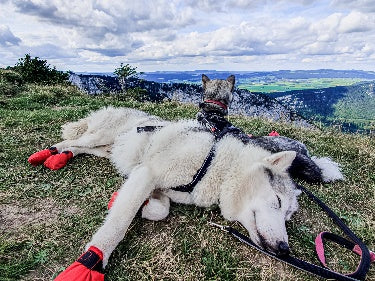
(274, 134)
(58, 161)
(112, 200)
(86, 268)
(114, 196)
(39, 157)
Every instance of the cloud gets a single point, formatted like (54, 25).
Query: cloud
(50, 51)
(7, 38)
(108, 17)
(114, 25)
(177, 33)
(356, 22)
(366, 6)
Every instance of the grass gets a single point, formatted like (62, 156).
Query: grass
(48, 216)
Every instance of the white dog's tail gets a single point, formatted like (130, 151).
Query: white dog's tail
(74, 130)
(330, 169)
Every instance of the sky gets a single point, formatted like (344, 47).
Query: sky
(176, 35)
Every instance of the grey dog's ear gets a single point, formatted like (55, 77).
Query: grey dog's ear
(205, 79)
(231, 79)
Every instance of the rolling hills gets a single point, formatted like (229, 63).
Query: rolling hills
(350, 108)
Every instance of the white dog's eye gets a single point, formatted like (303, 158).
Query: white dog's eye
(279, 201)
(276, 204)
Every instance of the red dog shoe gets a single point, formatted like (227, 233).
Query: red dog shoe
(112, 200)
(58, 161)
(86, 268)
(274, 134)
(114, 196)
(39, 157)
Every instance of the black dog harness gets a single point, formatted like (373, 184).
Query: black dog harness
(219, 127)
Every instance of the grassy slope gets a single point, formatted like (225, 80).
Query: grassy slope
(47, 216)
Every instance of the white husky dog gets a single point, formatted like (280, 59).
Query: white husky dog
(249, 183)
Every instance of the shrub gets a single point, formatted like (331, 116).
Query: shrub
(36, 70)
(124, 72)
(11, 83)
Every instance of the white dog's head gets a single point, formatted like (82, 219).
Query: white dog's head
(266, 199)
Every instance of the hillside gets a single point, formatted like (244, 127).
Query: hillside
(244, 102)
(46, 216)
(351, 108)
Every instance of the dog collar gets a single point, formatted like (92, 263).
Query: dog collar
(222, 105)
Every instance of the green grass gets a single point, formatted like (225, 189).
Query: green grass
(48, 216)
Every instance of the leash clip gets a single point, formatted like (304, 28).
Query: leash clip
(221, 227)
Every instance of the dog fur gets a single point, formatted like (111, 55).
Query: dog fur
(249, 183)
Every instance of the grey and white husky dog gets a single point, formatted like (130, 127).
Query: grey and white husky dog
(251, 182)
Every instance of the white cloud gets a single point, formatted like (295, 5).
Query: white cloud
(176, 33)
(356, 22)
(7, 38)
(366, 6)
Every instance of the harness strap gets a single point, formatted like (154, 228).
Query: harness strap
(148, 128)
(202, 170)
(200, 173)
(219, 129)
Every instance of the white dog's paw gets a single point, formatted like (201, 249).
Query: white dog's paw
(157, 208)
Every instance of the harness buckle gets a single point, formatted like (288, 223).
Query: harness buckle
(221, 227)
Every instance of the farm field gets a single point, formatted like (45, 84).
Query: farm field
(282, 85)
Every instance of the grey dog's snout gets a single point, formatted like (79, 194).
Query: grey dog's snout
(283, 249)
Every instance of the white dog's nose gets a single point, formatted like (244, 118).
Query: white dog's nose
(283, 249)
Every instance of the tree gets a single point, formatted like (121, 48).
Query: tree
(124, 72)
(36, 70)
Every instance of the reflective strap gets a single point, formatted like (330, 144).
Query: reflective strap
(92, 259)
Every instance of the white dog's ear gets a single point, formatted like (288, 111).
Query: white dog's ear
(281, 160)
(205, 79)
(232, 80)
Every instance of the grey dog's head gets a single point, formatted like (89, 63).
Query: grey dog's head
(217, 94)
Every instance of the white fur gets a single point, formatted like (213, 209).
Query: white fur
(156, 208)
(330, 169)
(96, 133)
(171, 156)
(236, 179)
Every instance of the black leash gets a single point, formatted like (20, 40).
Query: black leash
(361, 270)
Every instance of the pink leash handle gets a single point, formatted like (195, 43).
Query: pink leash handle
(319, 246)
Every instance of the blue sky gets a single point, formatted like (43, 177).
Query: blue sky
(88, 35)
